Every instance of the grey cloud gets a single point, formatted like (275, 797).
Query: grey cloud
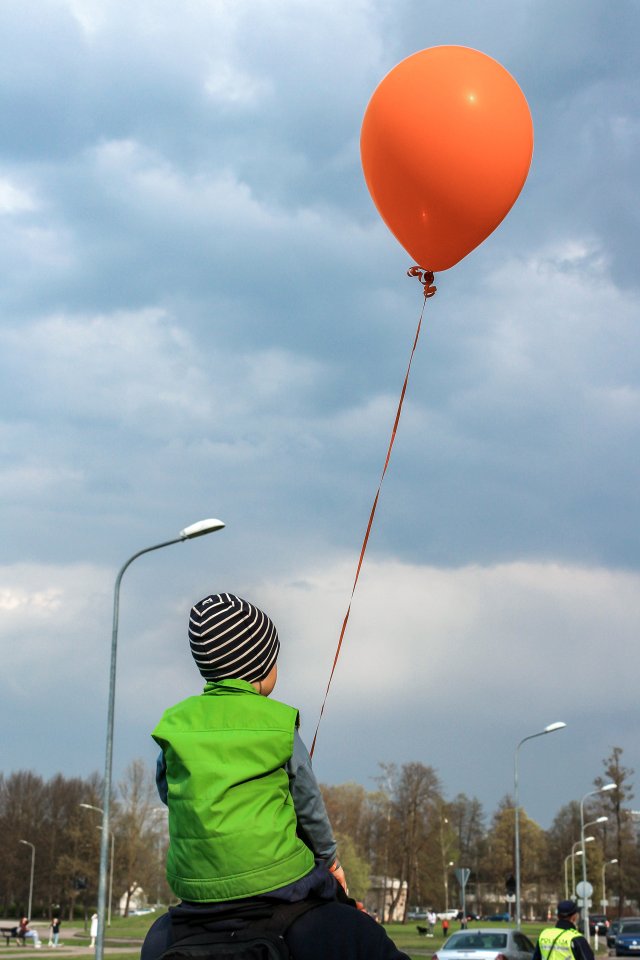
(202, 313)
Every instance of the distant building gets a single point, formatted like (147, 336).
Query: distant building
(387, 896)
(137, 901)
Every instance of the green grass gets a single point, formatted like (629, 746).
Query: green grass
(134, 927)
(405, 936)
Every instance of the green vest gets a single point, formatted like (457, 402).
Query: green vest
(554, 947)
(232, 823)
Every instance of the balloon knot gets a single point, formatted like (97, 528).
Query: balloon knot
(426, 279)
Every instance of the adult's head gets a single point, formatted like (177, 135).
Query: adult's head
(568, 910)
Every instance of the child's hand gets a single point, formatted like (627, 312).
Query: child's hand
(338, 872)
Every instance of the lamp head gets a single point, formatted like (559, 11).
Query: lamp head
(558, 725)
(201, 528)
(608, 786)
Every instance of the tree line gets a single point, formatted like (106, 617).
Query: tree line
(408, 830)
(404, 830)
(60, 820)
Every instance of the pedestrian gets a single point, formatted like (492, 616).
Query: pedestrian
(54, 935)
(431, 920)
(247, 822)
(563, 939)
(93, 930)
(445, 927)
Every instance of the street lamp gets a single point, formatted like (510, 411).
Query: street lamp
(577, 853)
(604, 893)
(585, 899)
(445, 864)
(33, 864)
(592, 822)
(551, 728)
(199, 529)
(568, 857)
(90, 806)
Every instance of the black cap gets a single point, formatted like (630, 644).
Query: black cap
(567, 908)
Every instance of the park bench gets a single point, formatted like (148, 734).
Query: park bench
(11, 933)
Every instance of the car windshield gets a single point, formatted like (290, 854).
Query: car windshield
(630, 928)
(476, 940)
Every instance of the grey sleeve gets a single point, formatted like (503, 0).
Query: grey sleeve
(161, 778)
(313, 822)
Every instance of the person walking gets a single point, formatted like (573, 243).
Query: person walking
(93, 931)
(563, 941)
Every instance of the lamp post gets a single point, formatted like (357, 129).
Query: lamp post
(199, 529)
(445, 864)
(585, 899)
(157, 814)
(577, 853)
(568, 857)
(604, 889)
(550, 728)
(446, 886)
(33, 864)
(90, 806)
(111, 860)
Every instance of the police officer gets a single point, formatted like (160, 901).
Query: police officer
(564, 941)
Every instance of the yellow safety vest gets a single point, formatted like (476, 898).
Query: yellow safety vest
(557, 946)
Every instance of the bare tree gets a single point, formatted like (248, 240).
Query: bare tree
(136, 861)
(621, 839)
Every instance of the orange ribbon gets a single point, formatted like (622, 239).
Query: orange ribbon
(425, 277)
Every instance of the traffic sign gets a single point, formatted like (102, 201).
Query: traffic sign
(584, 888)
(462, 875)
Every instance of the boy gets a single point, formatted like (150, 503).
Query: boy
(246, 816)
(247, 823)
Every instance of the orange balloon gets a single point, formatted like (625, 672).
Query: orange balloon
(446, 145)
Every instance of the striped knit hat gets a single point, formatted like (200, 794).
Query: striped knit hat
(230, 637)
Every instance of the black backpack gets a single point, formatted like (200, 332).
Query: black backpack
(257, 933)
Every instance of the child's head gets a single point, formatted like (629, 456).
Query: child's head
(232, 639)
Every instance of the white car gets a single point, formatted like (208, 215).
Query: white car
(486, 944)
(447, 915)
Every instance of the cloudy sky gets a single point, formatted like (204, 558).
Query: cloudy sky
(203, 315)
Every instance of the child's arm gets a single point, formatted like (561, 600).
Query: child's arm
(313, 822)
(161, 777)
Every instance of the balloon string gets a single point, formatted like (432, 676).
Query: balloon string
(425, 277)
